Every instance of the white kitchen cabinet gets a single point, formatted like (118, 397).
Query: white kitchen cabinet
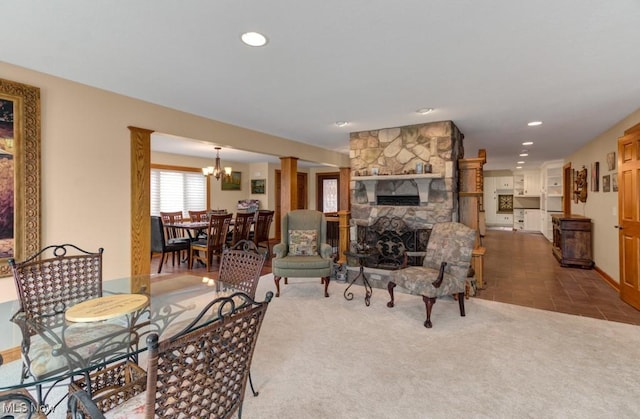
(531, 183)
(532, 219)
(504, 219)
(490, 203)
(504, 183)
(518, 219)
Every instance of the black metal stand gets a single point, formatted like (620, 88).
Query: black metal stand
(368, 290)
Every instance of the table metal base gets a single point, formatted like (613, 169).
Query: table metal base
(368, 291)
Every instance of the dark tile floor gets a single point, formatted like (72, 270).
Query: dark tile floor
(520, 269)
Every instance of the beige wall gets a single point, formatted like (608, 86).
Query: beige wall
(85, 161)
(602, 207)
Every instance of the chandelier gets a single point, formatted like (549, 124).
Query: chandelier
(216, 171)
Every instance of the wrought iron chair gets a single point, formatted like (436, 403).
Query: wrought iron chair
(303, 251)
(444, 269)
(241, 267)
(214, 243)
(201, 372)
(19, 404)
(160, 245)
(260, 233)
(47, 284)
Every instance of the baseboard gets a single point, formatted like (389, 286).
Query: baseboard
(608, 279)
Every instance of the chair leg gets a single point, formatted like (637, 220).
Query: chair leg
(276, 279)
(162, 256)
(429, 302)
(326, 280)
(461, 303)
(255, 393)
(390, 287)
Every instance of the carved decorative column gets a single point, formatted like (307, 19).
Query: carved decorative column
(470, 199)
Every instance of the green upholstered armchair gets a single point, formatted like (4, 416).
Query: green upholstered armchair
(444, 270)
(303, 251)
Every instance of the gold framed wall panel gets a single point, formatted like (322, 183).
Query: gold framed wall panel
(26, 161)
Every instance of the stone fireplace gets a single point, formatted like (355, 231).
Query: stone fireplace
(400, 189)
(387, 183)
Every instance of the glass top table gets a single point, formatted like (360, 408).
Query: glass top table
(174, 304)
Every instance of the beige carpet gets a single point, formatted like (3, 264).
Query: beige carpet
(331, 358)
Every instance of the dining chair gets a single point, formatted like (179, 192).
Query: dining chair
(47, 284)
(241, 227)
(197, 216)
(173, 234)
(201, 372)
(261, 229)
(159, 244)
(204, 249)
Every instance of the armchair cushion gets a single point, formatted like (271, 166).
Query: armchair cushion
(303, 242)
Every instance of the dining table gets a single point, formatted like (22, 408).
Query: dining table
(194, 228)
(108, 329)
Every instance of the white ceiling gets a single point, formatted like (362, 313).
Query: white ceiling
(490, 66)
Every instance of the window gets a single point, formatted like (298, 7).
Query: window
(177, 190)
(328, 193)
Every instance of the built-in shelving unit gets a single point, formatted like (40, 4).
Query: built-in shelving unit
(551, 197)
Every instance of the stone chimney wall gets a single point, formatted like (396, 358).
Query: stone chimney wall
(395, 154)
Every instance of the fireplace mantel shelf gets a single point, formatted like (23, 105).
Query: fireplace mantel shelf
(423, 181)
(400, 177)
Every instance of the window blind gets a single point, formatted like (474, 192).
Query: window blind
(173, 190)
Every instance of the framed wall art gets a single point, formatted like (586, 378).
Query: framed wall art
(232, 182)
(606, 183)
(614, 182)
(257, 186)
(19, 172)
(595, 176)
(611, 161)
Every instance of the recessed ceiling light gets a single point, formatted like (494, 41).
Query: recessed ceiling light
(534, 123)
(518, 167)
(424, 111)
(528, 143)
(254, 39)
(524, 154)
(520, 162)
(342, 123)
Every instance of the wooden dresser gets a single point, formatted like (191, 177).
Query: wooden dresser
(572, 240)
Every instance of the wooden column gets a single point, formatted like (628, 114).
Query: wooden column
(140, 207)
(345, 191)
(344, 207)
(343, 244)
(470, 199)
(289, 184)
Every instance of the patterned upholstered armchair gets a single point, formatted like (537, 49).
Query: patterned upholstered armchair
(444, 270)
(303, 251)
